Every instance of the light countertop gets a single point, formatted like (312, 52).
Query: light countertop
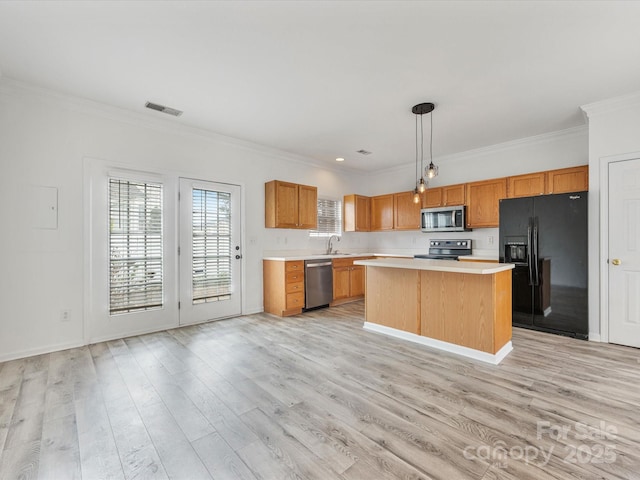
(437, 265)
(319, 256)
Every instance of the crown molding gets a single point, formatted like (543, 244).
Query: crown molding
(16, 88)
(579, 131)
(611, 105)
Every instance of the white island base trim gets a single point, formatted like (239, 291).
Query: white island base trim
(494, 359)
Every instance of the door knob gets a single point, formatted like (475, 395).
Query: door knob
(616, 261)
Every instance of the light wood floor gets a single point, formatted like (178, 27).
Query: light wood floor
(315, 396)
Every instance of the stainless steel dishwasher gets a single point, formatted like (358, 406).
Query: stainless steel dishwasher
(318, 283)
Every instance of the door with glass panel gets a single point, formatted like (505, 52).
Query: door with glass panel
(209, 251)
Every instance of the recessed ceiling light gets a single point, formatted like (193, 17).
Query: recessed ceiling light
(339, 159)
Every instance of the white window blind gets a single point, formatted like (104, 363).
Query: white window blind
(135, 245)
(211, 246)
(329, 218)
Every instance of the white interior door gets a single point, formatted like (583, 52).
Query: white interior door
(624, 252)
(210, 251)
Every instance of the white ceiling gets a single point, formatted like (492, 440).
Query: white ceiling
(323, 79)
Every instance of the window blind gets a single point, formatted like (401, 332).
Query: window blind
(135, 246)
(329, 218)
(212, 248)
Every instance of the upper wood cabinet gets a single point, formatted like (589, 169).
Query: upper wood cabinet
(382, 212)
(526, 185)
(356, 213)
(290, 205)
(483, 202)
(406, 213)
(453, 195)
(565, 180)
(432, 198)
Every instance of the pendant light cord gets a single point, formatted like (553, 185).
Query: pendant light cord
(417, 152)
(431, 138)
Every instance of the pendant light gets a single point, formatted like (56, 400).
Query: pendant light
(432, 170)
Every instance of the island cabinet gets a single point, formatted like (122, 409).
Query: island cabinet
(290, 205)
(348, 280)
(463, 308)
(283, 287)
(483, 202)
(382, 212)
(406, 213)
(566, 180)
(527, 185)
(356, 213)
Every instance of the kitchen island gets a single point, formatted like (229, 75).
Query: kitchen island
(460, 307)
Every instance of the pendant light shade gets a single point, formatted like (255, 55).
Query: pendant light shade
(432, 170)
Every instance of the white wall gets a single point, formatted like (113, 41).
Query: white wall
(614, 127)
(45, 137)
(43, 140)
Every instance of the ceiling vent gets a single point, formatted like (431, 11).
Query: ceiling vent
(163, 109)
(362, 151)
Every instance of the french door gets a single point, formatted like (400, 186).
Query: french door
(209, 251)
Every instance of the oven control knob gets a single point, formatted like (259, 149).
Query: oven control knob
(459, 243)
(464, 244)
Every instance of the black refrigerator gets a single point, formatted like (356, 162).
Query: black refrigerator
(546, 238)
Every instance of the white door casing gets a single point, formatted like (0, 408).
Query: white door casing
(624, 252)
(210, 251)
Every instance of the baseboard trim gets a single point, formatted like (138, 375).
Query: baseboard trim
(493, 359)
(32, 352)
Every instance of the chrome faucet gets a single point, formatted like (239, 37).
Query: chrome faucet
(329, 246)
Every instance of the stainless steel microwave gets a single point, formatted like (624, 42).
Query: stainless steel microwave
(443, 219)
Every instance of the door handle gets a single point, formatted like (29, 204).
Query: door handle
(616, 261)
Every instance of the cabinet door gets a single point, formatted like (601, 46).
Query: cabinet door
(453, 195)
(356, 213)
(567, 180)
(363, 214)
(382, 212)
(406, 213)
(341, 280)
(307, 207)
(432, 197)
(483, 202)
(526, 185)
(357, 280)
(286, 205)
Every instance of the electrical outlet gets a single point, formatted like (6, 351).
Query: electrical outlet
(490, 239)
(65, 315)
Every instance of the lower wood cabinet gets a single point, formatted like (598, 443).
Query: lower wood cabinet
(283, 287)
(348, 280)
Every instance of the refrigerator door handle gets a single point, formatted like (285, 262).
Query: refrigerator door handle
(535, 252)
(529, 253)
